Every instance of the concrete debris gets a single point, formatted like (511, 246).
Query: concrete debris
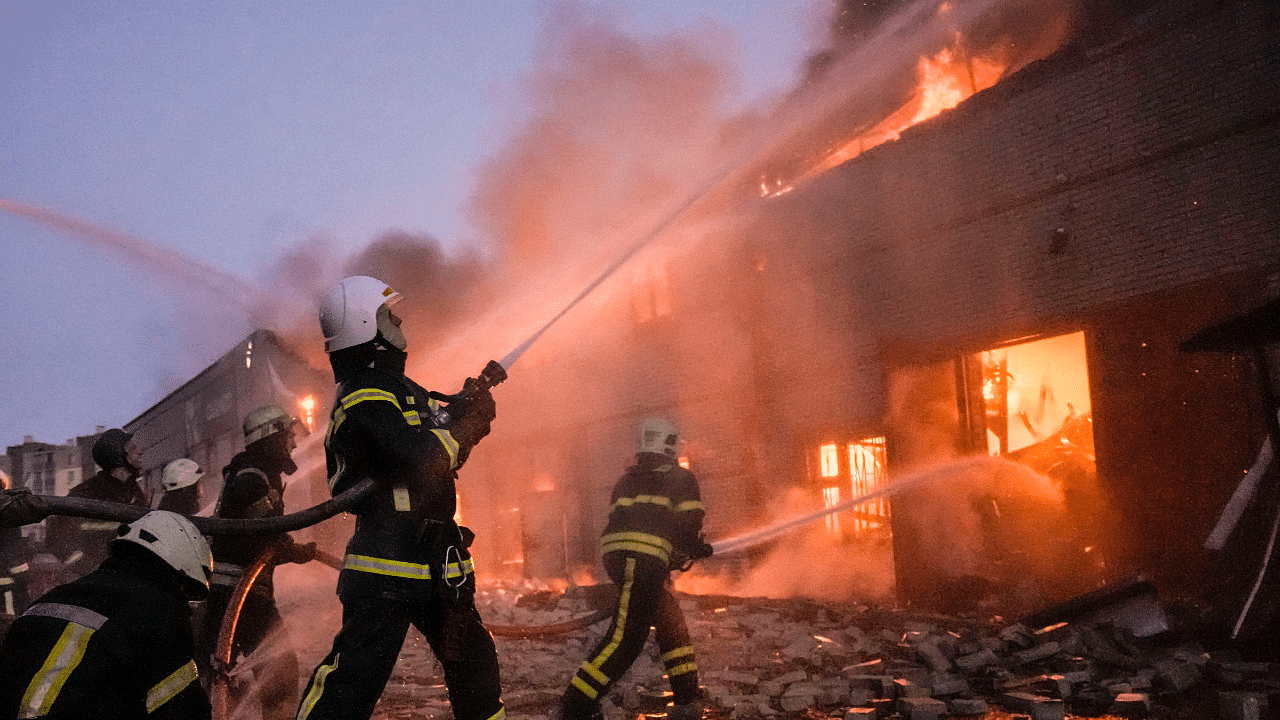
(765, 659)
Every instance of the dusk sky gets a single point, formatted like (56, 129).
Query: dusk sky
(234, 132)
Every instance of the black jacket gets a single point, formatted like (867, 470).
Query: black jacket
(384, 426)
(252, 488)
(81, 543)
(112, 645)
(656, 510)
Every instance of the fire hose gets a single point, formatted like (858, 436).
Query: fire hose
(18, 507)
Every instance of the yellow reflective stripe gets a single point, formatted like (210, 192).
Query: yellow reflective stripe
(95, 525)
(582, 685)
(412, 417)
(637, 547)
(640, 537)
(682, 669)
(500, 715)
(355, 398)
(6, 581)
(168, 688)
(688, 505)
(74, 557)
(641, 499)
(341, 465)
(400, 494)
(48, 681)
(399, 568)
(450, 445)
(620, 619)
(677, 653)
(433, 404)
(595, 673)
(317, 688)
(360, 396)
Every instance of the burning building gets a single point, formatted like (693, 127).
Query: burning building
(1008, 279)
(202, 419)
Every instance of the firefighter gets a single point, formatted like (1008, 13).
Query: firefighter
(81, 543)
(407, 561)
(116, 643)
(181, 483)
(253, 488)
(655, 526)
(15, 570)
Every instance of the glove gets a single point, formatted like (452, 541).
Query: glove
(302, 553)
(470, 423)
(20, 507)
(702, 550)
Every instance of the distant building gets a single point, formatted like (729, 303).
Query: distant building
(47, 469)
(202, 419)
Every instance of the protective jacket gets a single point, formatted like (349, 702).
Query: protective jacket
(655, 524)
(656, 510)
(386, 427)
(114, 644)
(407, 561)
(252, 488)
(15, 571)
(81, 543)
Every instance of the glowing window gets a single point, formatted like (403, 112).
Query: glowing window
(831, 498)
(830, 461)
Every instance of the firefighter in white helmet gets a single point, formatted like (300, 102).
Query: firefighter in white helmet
(181, 483)
(117, 642)
(253, 487)
(655, 526)
(407, 561)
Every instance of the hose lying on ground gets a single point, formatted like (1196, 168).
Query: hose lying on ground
(19, 508)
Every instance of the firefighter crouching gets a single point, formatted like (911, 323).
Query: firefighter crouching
(116, 643)
(655, 525)
(407, 561)
(253, 488)
(81, 543)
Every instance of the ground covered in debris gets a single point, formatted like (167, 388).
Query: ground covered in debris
(795, 658)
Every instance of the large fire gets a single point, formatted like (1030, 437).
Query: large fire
(945, 80)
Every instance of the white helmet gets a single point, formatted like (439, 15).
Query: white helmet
(175, 540)
(349, 311)
(181, 473)
(265, 422)
(658, 435)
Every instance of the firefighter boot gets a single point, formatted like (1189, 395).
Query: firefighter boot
(687, 711)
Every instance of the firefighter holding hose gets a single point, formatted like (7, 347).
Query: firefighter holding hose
(407, 561)
(655, 526)
(253, 487)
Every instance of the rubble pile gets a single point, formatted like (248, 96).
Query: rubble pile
(784, 659)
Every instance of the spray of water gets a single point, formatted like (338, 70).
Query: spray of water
(170, 263)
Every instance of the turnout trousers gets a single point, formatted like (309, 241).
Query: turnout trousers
(645, 601)
(350, 679)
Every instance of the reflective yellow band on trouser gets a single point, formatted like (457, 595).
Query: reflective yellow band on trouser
(317, 688)
(500, 715)
(48, 681)
(680, 661)
(592, 665)
(688, 505)
(168, 688)
(399, 568)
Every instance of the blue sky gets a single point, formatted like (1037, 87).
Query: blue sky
(230, 132)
